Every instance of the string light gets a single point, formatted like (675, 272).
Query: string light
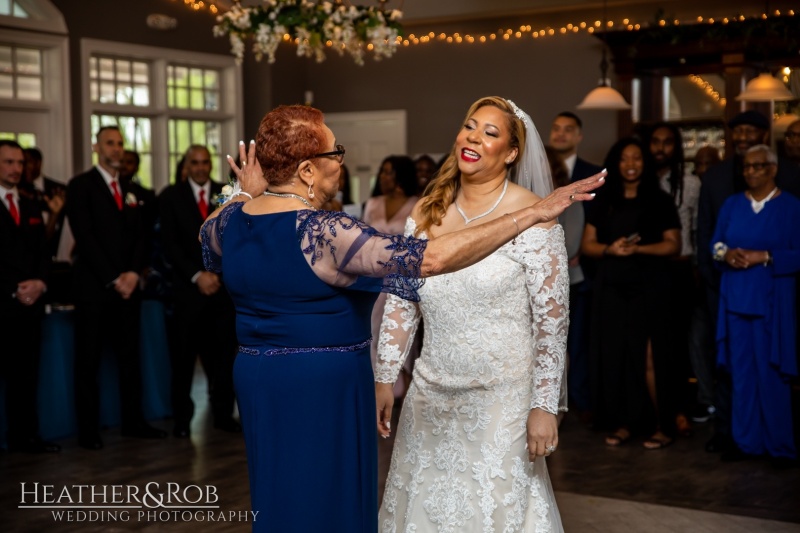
(708, 89)
(526, 30)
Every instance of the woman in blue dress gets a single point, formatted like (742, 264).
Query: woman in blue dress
(757, 247)
(304, 282)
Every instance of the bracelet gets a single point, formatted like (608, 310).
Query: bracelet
(234, 195)
(514, 240)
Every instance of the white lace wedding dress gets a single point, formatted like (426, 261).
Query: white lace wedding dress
(494, 348)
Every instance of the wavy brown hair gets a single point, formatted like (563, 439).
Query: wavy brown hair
(442, 190)
(287, 136)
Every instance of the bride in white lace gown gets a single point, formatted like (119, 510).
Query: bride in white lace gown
(480, 414)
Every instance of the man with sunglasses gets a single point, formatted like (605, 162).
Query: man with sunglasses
(747, 129)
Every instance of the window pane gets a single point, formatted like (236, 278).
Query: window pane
(27, 140)
(146, 170)
(196, 77)
(106, 69)
(107, 92)
(214, 137)
(123, 70)
(6, 86)
(181, 98)
(18, 11)
(182, 137)
(5, 7)
(170, 97)
(141, 74)
(197, 99)
(93, 68)
(94, 91)
(211, 79)
(212, 100)
(198, 132)
(141, 95)
(181, 75)
(29, 61)
(124, 94)
(29, 88)
(5, 60)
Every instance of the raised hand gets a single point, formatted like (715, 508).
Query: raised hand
(250, 176)
(551, 206)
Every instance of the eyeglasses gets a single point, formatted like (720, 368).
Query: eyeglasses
(792, 135)
(338, 154)
(756, 166)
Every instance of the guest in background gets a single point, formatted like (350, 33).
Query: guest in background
(23, 271)
(426, 170)
(705, 158)
(633, 229)
(129, 176)
(747, 129)
(49, 193)
(181, 174)
(107, 223)
(566, 134)
(791, 143)
(387, 213)
(757, 248)
(204, 315)
(666, 147)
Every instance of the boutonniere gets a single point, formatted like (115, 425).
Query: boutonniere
(35, 221)
(130, 200)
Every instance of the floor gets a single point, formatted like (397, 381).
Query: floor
(681, 488)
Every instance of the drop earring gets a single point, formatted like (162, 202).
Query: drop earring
(310, 190)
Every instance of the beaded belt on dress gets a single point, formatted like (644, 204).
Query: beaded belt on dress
(317, 349)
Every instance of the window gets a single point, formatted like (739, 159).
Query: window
(20, 73)
(11, 8)
(26, 140)
(163, 101)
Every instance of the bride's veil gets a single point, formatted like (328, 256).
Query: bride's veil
(533, 173)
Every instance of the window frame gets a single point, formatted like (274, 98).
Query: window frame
(230, 113)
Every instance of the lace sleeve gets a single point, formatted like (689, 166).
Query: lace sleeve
(398, 328)
(547, 278)
(340, 248)
(211, 237)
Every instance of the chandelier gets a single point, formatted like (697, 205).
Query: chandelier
(313, 27)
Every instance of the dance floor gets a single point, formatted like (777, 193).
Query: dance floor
(678, 489)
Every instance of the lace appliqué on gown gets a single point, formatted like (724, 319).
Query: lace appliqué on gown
(495, 347)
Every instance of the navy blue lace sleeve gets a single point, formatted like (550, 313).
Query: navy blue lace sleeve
(211, 237)
(353, 247)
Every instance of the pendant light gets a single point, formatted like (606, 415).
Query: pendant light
(604, 96)
(765, 88)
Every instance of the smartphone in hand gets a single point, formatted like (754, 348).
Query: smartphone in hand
(633, 237)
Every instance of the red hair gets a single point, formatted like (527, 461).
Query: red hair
(287, 136)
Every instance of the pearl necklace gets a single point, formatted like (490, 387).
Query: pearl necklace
(290, 195)
(758, 205)
(473, 219)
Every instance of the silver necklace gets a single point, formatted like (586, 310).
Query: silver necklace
(290, 195)
(468, 220)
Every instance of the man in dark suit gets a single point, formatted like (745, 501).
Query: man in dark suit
(23, 270)
(720, 182)
(565, 136)
(48, 192)
(204, 313)
(106, 221)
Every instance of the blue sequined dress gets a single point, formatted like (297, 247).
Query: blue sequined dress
(304, 283)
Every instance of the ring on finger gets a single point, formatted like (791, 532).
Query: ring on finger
(550, 449)
(572, 197)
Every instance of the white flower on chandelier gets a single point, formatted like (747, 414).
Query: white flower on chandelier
(312, 27)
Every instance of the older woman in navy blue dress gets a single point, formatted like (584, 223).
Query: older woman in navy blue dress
(304, 282)
(757, 248)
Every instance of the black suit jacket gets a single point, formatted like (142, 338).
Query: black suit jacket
(180, 226)
(583, 169)
(108, 241)
(720, 182)
(24, 251)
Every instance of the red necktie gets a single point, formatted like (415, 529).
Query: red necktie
(117, 195)
(202, 204)
(12, 208)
